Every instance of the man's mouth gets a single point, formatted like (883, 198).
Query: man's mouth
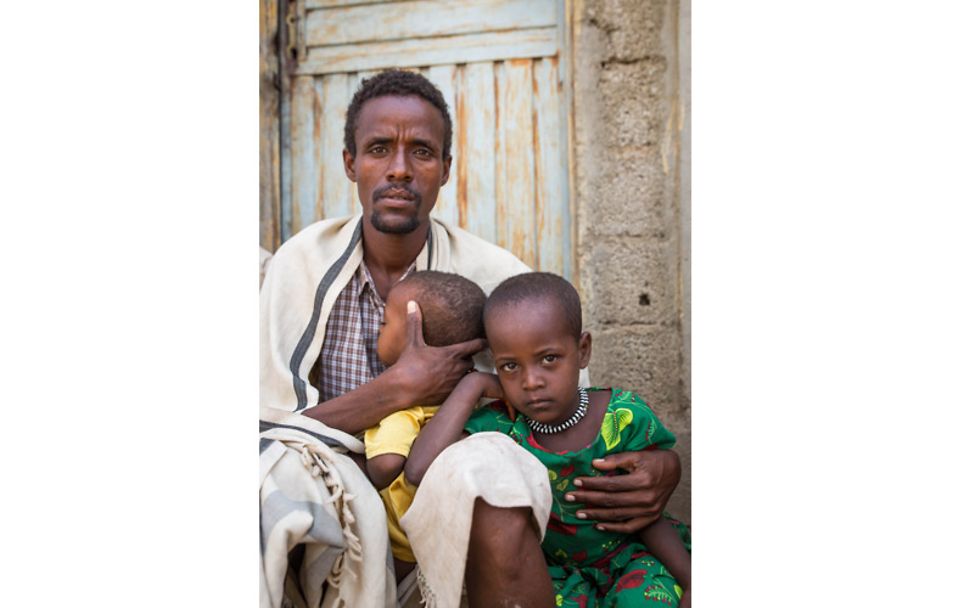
(395, 194)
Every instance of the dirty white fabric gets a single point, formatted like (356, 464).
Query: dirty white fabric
(486, 465)
(311, 494)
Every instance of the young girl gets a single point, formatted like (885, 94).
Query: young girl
(533, 326)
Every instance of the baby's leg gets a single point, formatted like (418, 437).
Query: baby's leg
(644, 582)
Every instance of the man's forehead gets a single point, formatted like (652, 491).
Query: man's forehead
(395, 111)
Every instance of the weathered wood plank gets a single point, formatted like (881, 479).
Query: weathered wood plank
(330, 3)
(304, 166)
(536, 42)
(551, 204)
(270, 153)
(476, 135)
(425, 19)
(515, 160)
(444, 77)
(337, 201)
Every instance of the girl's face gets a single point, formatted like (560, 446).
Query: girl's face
(537, 358)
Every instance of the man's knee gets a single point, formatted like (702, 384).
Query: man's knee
(502, 535)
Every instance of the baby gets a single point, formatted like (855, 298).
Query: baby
(534, 328)
(452, 309)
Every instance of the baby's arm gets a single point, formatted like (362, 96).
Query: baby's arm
(384, 468)
(664, 543)
(446, 427)
(388, 443)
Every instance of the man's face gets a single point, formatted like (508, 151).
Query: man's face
(399, 165)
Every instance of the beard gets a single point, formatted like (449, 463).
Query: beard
(394, 223)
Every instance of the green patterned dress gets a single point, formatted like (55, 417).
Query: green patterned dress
(592, 568)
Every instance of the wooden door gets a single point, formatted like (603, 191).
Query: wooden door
(501, 65)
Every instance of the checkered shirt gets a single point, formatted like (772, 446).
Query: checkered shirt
(349, 355)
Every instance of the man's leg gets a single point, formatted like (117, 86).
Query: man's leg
(505, 565)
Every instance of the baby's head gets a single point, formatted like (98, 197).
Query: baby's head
(452, 308)
(534, 327)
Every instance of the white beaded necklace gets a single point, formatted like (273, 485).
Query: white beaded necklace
(548, 429)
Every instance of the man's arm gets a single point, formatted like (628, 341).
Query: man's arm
(423, 374)
(628, 502)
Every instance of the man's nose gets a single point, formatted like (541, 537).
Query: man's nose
(399, 167)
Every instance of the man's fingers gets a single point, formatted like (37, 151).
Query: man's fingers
(620, 514)
(613, 483)
(468, 348)
(611, 499)
(628, 527)
(414, 324)
(622, 460)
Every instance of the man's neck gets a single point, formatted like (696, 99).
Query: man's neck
(388, 256)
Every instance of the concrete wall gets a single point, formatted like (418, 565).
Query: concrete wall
(631, 95)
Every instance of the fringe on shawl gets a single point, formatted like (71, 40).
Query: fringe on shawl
(315, 462)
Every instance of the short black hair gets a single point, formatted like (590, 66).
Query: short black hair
(540, 286)
(398, 83)
(452, 306)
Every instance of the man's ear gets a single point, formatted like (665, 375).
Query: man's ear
(584, 349)
(349, 161)
(447, 163)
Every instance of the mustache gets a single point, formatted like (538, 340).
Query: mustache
(393, 191)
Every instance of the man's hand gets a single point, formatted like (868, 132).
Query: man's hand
(631, 501)
(430, 373)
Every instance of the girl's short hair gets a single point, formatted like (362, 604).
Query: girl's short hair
(540, 285)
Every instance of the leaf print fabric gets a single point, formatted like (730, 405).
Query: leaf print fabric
(592, 568)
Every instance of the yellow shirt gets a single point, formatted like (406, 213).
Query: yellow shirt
(395, 435)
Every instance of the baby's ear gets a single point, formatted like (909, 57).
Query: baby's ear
(584, 349)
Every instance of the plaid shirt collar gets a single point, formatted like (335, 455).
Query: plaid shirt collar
(366, 284)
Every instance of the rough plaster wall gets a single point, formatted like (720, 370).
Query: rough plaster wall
(627, 128)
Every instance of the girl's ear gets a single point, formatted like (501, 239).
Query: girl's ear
(584, 349)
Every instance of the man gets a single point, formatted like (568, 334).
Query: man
(321, 305)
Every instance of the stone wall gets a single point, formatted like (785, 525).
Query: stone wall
(631, 100)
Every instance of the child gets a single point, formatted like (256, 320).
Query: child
(533, 325)
(452, 309)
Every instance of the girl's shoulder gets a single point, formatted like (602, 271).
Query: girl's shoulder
(619, 398)
(630, 424)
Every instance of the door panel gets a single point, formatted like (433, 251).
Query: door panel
(498, 65)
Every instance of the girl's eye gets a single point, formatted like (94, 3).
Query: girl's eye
(509, 366)
(550, 358)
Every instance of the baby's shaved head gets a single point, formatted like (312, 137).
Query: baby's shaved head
(452, 306)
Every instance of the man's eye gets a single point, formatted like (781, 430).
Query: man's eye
(424, 153)
(377, 150)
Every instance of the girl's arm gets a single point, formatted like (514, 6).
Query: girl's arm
(446, 427)
(664, 543)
